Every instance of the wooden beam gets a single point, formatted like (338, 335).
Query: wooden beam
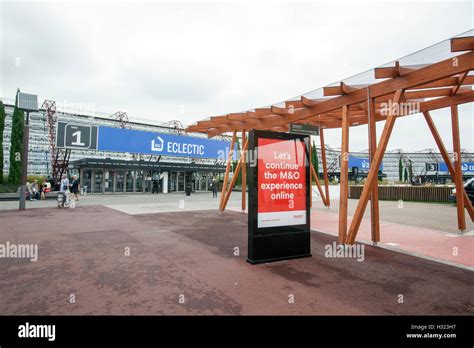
(234, 177)
(322, 119)
(325, 167)
(237, 116)
(461, 79)
(458, 168)
(373, 173)
(433, 72)
(344, 176)
(459, 44)
(275, 113)
(447, 160)
(262, 111)
(227, 170)
(446, 82)
(395, 71)
(295, 104)
(440, 103)
(309, 102)
(318, 185)
(311, 165)
(279, 110)
(374, 195)
(244, 172)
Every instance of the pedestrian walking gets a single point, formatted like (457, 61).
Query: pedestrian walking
(64, 191)
(75, 186)
(214, 188)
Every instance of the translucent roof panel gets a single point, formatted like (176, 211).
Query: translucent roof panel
(430, 55)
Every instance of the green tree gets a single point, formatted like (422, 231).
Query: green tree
(405, 174)
(16, 146)
(314, 158)
(2, 128)
(400, 170)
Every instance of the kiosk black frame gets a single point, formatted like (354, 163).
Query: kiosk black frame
(271, 244)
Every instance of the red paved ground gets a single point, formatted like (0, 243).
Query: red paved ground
(81, 251)
(416, 240)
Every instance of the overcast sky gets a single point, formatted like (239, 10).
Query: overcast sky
(188, 61)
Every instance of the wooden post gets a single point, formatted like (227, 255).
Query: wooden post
(374, 197)
(234, 179)
(244, 172)
(325, 168)
(447, 160)
(373, 172)
(227, 170)
(311, 174)
(458, 168)
(318, 184)
(344, 175)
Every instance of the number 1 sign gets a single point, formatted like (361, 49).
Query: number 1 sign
(75, 136)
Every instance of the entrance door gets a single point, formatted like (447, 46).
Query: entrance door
(181, 181)
(109, 181)
(188, 179)
(120, 181)
(86, 181)
(98, 182)
(172, 180)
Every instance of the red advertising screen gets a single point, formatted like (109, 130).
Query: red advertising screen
(281, 182)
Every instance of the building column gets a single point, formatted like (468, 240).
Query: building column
(103, 180)
(114, 184)
(165, 182)
(125, 181)
(134, 178)
(92, 181)
(81, 178)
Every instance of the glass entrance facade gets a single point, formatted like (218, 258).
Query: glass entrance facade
(138, 177)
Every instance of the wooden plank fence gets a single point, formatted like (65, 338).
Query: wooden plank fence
(408, 193)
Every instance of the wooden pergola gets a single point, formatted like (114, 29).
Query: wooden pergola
(435, 78)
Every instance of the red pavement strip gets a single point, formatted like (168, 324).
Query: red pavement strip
(423, 242)
(82, 252)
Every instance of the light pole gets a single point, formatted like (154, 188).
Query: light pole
(26, 103)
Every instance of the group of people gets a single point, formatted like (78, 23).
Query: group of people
(70, 186)
(35, 190)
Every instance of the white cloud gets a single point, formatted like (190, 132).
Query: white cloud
(167, 61)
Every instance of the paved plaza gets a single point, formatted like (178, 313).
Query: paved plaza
(172, 254)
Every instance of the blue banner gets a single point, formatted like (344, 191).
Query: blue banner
(361, 163)
(134, 141)
(466, 167)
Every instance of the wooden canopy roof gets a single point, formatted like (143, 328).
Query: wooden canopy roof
(436, 77)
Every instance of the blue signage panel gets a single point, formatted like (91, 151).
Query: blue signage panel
(134, 141)
(466, 167)
(361, 163)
